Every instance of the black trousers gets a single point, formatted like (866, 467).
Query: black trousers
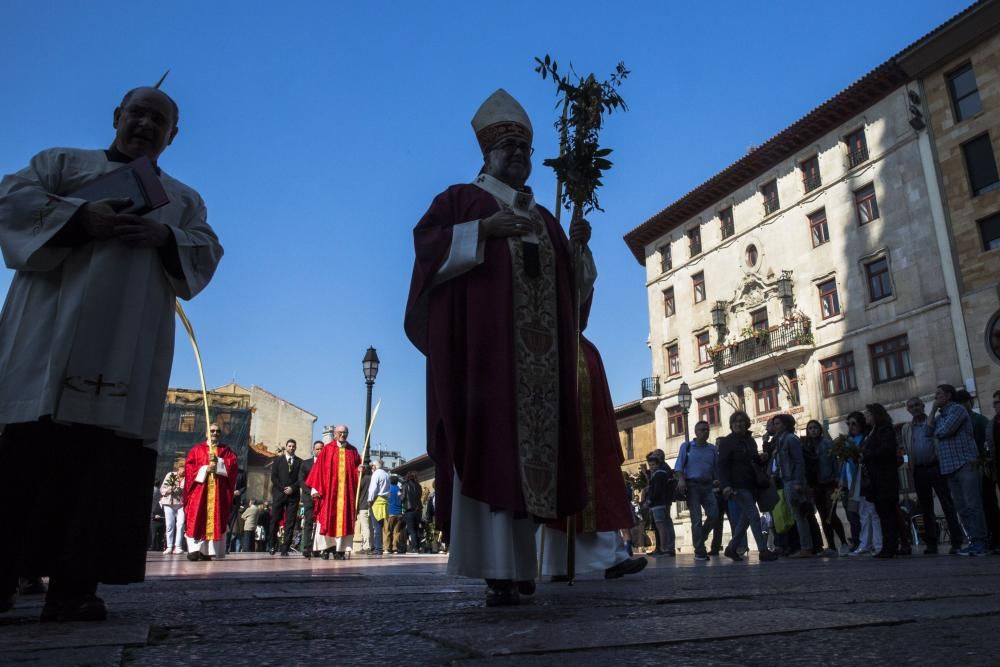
(248, 541)
(307, 524)
(290, 506)
(929, 481)
(412, 520)
(887, 508)
(74, 505)
(991, 512)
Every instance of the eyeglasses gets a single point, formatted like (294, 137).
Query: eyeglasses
(214, 430)
(511, 147)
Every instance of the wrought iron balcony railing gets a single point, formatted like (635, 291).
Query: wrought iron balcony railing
(810, 183)
(770, 205)
(856, 157)
(651, 386)
(763, 343)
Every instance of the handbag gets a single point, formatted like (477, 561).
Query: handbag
(781, 514)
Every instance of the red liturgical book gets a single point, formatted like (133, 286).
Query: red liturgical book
(137, 181)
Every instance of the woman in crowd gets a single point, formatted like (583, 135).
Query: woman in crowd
(880, 481)
(172, 502)
(869, 535)
(741, 483)
(826, 484)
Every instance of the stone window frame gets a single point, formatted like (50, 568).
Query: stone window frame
(835, 292)
(903, 352)
(818, 220)
(669, 302)
(949, 79)
(666, 257)
(991, 186)
(772, 203)
(727, 223)
(699, 279)
(676, 421)
(865, 264)
(699, 347)
(693, 235)
(671, 352)
(861, 153)
(980, 225)
(709, 408)
(810, 183)
(766, 388)
(865, 201)
(843, 373)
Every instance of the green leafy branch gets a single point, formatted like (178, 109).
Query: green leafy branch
(582, 162)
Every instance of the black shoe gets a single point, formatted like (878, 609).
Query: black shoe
(325, 555)
(526, 588)
(272, 551)
(931, 550)
(284, 553)
(502, 594)
(338, 555)
(731, 553)
(766, 556)
(701, 555)
(627, 566)
(307, 554)
(194, 556)
(713, 552)
(74, 608)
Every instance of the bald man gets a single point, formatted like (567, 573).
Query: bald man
(86, 346)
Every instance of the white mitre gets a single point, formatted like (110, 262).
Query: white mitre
(499, 117)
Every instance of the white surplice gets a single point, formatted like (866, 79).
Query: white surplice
(594, 552)
(87, 333)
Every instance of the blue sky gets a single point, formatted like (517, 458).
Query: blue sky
(319, 132)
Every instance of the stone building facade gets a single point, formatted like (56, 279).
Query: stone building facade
(637, 434)
(958, 72)
(808, 277)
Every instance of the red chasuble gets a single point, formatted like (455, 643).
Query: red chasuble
(464, 327)
(334, 476)
(207, 504)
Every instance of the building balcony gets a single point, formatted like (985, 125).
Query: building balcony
(856, 157)
(793, 338)
(771, 205)
(810, 183)
(651, 386)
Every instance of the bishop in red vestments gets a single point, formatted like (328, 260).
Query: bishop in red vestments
(334, 483)
(208, 498)
(491, 306)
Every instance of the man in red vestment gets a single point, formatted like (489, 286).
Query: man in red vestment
(334, 483)
(208, 497)
(491, 307)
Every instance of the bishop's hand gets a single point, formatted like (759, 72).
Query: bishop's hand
(503, 224)
(137, 232)
(579, 231)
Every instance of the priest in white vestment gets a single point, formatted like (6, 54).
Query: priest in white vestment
(86, 346)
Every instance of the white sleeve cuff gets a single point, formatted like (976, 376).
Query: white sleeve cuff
(466, 252)
(220, 468)
(202, 474)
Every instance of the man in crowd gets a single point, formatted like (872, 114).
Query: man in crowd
(741, 482)
(308, 503)
(981, 434)
(250, 516)
(285, 496)
(957, 454)
(394, 522)
(697, 477)
(92, 401)
(922, 460)
(209, 480)
(413, 508)
(488, 257)
(658, 498)
(378, 501)
(363, 524)
(333, 481)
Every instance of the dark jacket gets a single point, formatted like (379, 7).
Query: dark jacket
(411, 493)
(282, 476)
(660, 490)
(878, 455)
(304, 471)
(736, 455)
(791, 465)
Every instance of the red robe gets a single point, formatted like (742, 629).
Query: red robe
(334, 476)
(608, 507)
(464, 327)
(217, 488)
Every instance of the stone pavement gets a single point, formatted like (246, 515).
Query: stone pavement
(255, 609)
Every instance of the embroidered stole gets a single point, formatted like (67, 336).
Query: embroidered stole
(536, 352)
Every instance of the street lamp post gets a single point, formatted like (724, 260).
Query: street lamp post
(684, 401)
(370, 367)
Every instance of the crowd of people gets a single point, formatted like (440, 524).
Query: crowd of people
(792, 490)
(403, 521)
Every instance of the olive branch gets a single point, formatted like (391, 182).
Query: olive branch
(582, 162)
